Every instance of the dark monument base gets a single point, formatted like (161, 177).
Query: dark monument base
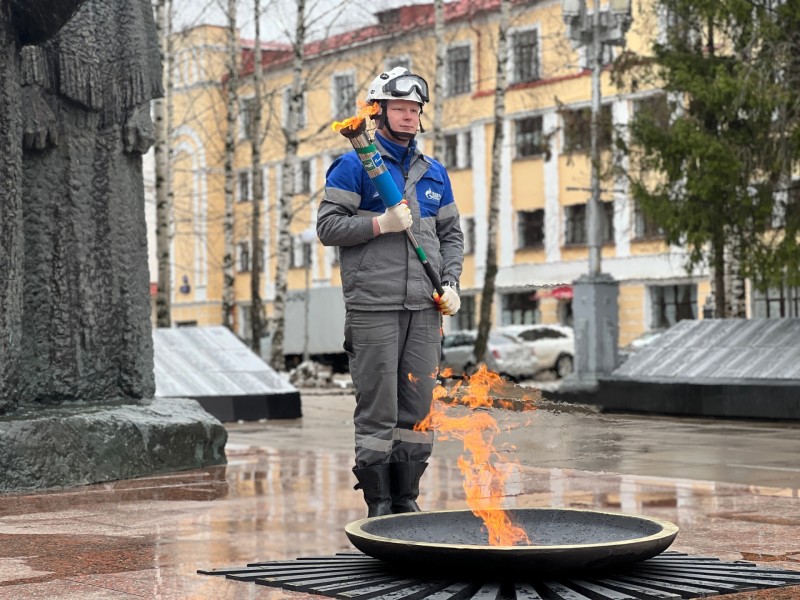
(754, 399)
(757, 399)
(63, 446)
(253, 407)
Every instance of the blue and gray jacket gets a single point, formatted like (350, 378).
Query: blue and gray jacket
(383, 272)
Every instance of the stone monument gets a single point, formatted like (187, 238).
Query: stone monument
(77, 379)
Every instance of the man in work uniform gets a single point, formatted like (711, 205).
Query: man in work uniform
(393, 325)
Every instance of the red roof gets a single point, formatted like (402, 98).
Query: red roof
(390, 22)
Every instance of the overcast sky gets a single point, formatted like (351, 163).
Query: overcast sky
(327, 14)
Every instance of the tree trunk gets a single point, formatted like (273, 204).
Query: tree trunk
(718, 250)
(438, 83)
(232, 90)
(487, 295)
(257, 173)
(288, 178)
(162, 159)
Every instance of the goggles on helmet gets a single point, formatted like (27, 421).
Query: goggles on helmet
(405, 85)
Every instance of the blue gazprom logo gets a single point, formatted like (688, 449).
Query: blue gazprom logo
(377, 160)
(431, 195)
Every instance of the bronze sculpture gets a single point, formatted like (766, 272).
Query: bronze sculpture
(21, 21)
(86, 329)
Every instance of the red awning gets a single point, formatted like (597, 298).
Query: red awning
(562, 292)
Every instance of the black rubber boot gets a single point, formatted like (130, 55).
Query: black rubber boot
(405, 485)
(374, 482)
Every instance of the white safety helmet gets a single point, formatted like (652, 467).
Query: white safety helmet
(398, 84)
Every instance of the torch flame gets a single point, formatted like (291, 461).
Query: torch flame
(474, 424)
(364, 111)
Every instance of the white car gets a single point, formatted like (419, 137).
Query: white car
(553, 345)
(505, 355)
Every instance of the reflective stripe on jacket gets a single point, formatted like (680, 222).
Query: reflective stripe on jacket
(383, 272)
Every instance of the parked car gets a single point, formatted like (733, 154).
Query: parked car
(553, 345)
(644, 340)
(505, 355)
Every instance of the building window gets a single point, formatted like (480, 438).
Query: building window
(301, 115)
(304, 177)
(575, 218)
(528, 138)
(458, 150)
(243, 257)
(607, 222)
(244, 186)
(673, 303)
(451, 151)
(654, 108)
(776, 303)
(301, 254)
(520, 309)
(530, 229)
(645, 228)
(458, 70)
(577, 129)
(464, 319)
(525, 56)
(344, 93)
(468, 229)
(465, 156)
(247, 113)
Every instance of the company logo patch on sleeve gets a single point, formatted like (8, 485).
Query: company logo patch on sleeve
(431, 195)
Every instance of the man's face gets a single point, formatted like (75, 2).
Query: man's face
(403, 116)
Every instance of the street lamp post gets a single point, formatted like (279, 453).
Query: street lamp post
(595, 300)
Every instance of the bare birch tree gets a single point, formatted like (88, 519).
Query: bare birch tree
(438, 83)
(487, 295)
(161, 114)
(288, 178)
(257, 175)
(232, 106)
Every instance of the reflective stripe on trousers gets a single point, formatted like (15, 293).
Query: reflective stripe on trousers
(394, 357)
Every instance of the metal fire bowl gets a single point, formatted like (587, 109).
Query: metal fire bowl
(456, 541)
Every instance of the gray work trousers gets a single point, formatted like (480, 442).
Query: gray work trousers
(394, 360)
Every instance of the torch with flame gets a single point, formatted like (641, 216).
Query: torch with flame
(355, 130)
(463, 413)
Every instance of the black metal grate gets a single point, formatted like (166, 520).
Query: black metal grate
(670, 575)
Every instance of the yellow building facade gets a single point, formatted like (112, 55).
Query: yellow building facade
(544, 175)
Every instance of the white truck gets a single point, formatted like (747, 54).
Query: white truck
(323, 310)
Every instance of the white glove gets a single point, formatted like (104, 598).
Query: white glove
(449, 303)
(396, 218)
